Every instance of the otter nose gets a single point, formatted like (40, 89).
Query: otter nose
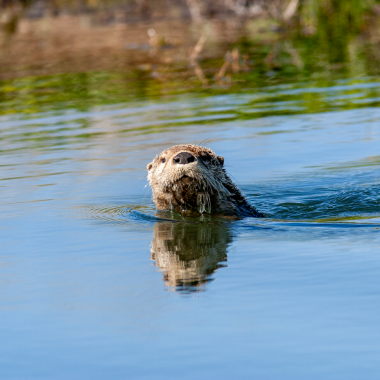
(184, 158)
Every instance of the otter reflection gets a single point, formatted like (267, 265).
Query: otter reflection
(188, 253)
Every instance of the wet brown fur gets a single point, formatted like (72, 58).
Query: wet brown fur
(199, 187)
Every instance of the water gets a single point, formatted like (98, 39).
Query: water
(94, 283)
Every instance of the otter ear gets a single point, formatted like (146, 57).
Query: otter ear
(149, 166)
(221, 160)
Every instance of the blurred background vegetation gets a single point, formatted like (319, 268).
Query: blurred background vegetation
(335, 15)
(113, 50)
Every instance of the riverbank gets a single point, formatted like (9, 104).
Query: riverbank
(164, 42)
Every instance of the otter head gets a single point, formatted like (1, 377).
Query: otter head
(187, 179)
(191, 180)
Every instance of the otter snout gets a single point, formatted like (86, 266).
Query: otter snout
(184, 158)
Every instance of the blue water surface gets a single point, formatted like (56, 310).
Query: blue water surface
(94, 284)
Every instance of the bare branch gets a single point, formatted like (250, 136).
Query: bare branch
(223, 69)
(290, 10)
(296, 58)
(194, 10)
(197, 49)
(194, 54)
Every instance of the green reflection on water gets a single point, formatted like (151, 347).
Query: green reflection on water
(334, 52)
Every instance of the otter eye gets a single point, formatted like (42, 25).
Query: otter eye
(206, 156)
(163, 160)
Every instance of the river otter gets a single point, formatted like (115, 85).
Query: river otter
(191, 180)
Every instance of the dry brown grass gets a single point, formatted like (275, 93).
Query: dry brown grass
(73, 44)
